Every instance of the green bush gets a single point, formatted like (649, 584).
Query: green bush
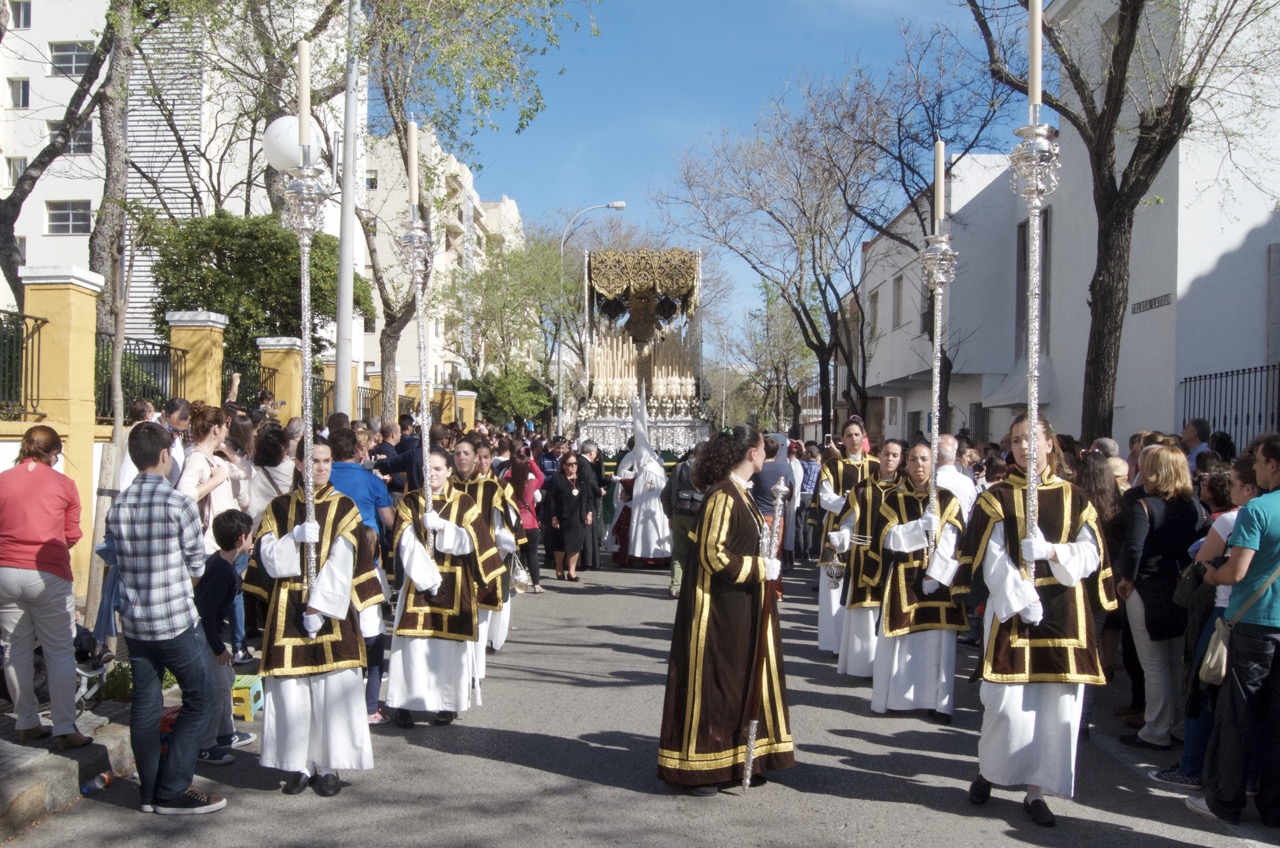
(119, 682)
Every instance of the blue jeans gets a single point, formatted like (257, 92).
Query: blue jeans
(164, 776)
(1196, 731)
(237, 609)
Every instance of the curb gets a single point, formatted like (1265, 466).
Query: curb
(53, 781)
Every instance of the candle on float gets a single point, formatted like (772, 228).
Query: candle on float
(413, 167)
(304, 93)
(939, 185)
(1034, 63)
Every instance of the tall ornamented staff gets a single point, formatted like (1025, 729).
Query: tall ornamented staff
(770, 535)
(938, 262)
(304, 196)
(415, 249)
(1035, 165)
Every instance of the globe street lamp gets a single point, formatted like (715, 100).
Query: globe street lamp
(617, 205)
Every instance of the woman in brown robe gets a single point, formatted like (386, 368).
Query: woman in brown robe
(722, 674)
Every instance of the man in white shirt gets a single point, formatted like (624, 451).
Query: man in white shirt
(953, 479)
(177, 417)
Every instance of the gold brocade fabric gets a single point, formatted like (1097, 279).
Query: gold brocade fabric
(287, 651)
(490, 494)
(452, 611)
(614, 273)
(862, 586)
(1062, 647)
(907, 608)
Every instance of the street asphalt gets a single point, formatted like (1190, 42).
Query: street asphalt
(563, 752)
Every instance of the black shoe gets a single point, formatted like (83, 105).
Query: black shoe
(758, 780)
(444, 717)
(939, 718)
(190, 802)
(296, 782)
(1133, 740)
(1039, 812)
(328, 785)
(704, 791)
(967, 640)
(404, 719)
(979, 791)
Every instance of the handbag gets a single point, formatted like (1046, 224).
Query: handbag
(1213, 670)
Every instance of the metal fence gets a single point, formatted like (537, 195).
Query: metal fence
(321, 401)
(408, 405)
(151, 371)
(254, 377)
(1243, 403)
(19, 365)
(369, 405)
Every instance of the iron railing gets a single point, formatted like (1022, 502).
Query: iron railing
(321, 401)
(254, 377)
(408, 405)
(369, 405)
(1243, 403)
(19, 366)
(151, 371)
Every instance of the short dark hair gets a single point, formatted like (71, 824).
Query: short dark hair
(147, 440)
(229, 526)
(177, 406)
(343, 444)
(406, 422)
(1202, 428)
(138, 411)
(338, 421)
(1269, 447)
(771, 447)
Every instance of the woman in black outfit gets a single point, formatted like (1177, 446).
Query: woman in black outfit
(571, 515)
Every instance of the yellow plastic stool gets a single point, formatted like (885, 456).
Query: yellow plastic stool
(246, 696)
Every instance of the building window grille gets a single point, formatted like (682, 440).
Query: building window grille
(70, 57)
(70, 217)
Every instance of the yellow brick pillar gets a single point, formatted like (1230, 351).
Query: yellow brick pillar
(66, 297)
(285, 356)
(356, 412)
(200, 335)
(466, 403)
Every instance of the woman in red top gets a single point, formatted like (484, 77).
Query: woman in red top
(39, 522)
(526, 479)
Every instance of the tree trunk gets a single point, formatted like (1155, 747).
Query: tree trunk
(388, 345)
(824, 393)
(106, 241)
(1108, 299)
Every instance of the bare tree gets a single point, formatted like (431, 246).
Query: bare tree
(1135, 78)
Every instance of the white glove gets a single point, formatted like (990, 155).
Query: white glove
(930, 585)
(772, 568)
(506, 541)
(839, 540)
(1033, 614)
(433, 521)
(311, 622)
(537, 496)
(929, 523)
(1034, 547)
(307, 531)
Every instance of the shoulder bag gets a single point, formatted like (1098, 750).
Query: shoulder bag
(1213, 670)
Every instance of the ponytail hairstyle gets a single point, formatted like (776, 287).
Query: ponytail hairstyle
(41, 443)
(1055, 450)
(300, 453)
(725, 450)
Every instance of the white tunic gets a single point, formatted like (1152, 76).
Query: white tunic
(425, 673)
(1029, 730)
(916, 671)
(315, 722)
(650, 529)
(857, 627)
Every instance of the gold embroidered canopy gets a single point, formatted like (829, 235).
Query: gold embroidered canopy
(653, 286)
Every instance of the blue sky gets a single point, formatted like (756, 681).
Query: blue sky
(663, 75)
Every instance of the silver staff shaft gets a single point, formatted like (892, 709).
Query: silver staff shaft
(1035, 165)
(304, 197)
(938, 261)
(769, 536)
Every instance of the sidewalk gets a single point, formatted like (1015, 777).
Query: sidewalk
(36, 779)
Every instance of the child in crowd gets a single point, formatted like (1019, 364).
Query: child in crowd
(214, 596)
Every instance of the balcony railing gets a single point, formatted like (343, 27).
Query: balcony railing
(254, 377)
(151, 371)
(369, 404)
(321, 401)
(20, 366)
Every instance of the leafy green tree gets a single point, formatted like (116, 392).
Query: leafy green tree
(514, 394)
(248, 270)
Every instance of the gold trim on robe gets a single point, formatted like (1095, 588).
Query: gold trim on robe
(287, 651)
(452, 611)
(906, 608)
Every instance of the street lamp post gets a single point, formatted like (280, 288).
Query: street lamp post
(617, 205)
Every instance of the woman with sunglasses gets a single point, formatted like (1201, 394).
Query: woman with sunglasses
(571, 515)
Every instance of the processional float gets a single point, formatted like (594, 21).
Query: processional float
(643, 339)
